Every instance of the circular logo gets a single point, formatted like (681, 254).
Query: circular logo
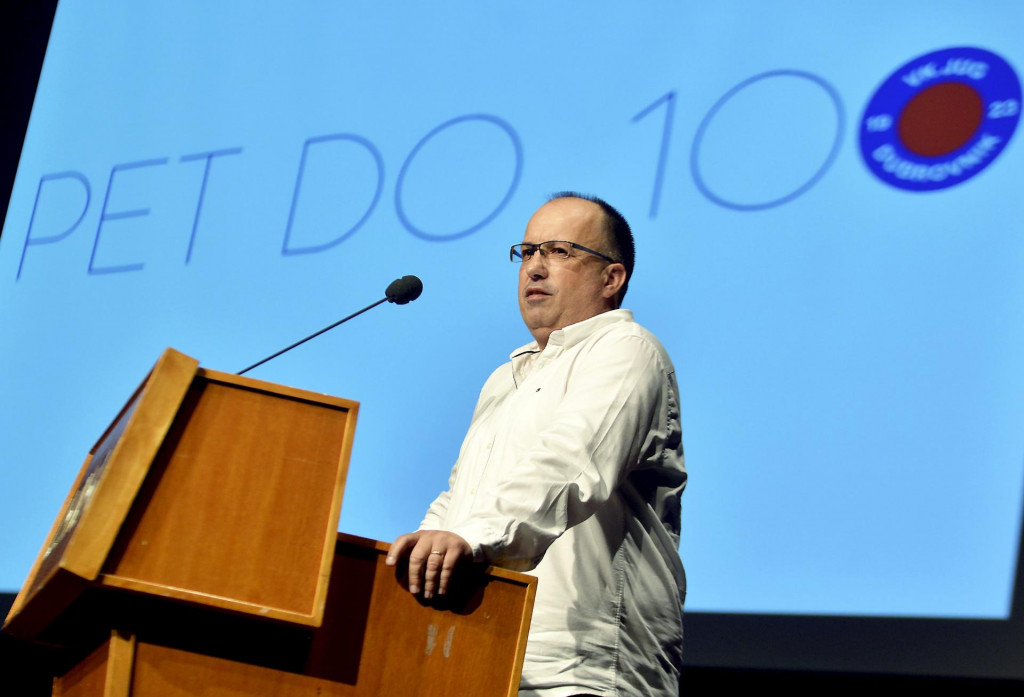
(940, 119)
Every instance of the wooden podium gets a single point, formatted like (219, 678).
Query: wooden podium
(197, 549)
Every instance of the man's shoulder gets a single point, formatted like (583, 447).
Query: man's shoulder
(621, 322)
(619, 326)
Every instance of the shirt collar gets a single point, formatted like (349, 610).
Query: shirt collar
(566, 337)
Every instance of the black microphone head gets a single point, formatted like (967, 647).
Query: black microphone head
(404, 290)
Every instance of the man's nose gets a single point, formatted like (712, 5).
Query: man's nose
(536, 266)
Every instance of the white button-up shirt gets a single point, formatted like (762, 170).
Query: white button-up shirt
(573, 467)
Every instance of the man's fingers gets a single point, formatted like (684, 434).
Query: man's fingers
(432, 565)
(458, 550)
(446, 573)
(433, 556)
(398, 547)
(420, 562)
(407, 545)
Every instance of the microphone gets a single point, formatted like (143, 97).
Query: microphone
(404, 290)
(400, 292)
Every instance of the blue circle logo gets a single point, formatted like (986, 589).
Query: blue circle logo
(940, 119)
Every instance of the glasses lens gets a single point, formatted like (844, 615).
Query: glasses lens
(522, 252)
(556, 250)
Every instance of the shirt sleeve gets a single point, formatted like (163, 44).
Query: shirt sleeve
(434, 518)
(609, 415)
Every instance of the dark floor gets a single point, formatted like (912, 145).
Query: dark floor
(27, 671)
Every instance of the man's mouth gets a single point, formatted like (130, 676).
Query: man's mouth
(534, 292)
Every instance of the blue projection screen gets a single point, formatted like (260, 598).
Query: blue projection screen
(830, 235)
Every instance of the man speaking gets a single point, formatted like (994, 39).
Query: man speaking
(573, 469)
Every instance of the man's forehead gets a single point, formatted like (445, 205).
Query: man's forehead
(572, 219)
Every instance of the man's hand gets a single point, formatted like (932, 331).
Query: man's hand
(433, 555)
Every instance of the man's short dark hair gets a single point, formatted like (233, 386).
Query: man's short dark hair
(619, 236)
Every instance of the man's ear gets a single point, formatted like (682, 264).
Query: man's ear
(614, 279)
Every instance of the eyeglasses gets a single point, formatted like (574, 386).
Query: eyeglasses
(556, 250)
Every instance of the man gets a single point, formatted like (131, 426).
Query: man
(573, 467)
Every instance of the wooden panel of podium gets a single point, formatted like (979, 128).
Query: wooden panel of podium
(196, 553)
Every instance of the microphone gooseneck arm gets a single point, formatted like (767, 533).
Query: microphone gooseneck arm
(311, 336)
(400, 291)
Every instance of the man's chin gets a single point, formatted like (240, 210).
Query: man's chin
(534, 318)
